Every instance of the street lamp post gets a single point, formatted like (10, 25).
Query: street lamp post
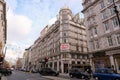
(116, 12)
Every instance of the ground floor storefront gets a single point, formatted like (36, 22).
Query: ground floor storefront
(117, 62)
(65, 62)
(107, 59)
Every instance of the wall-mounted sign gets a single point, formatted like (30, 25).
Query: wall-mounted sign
(64, 47)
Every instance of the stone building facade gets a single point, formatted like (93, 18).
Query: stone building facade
(3, 26)
(103, 32)
(19, 63)
(25, 61)
(63, 43)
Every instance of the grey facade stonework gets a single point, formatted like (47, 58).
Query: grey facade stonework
(103, 32)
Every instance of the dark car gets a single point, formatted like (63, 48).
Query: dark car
(78, 74)
(49, 72)
(105, 74)
(6, 71)
(34, 71)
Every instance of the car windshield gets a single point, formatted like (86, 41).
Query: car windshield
(110, 71)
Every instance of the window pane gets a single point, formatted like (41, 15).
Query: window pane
(104, 15)
(115, 22)
(112, 11)
(106, 24)
(95, 30)
(102, 4)
(110, 1)
(118, 38)
(110, 41)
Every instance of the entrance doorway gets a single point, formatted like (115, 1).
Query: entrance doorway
(65, 68)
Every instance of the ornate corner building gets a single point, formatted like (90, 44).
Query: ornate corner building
(103, 32)
(64, 43)
(3, 27)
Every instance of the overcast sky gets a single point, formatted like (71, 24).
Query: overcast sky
(26, 18)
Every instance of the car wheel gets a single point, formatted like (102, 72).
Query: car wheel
(96, 78)
(83, 77)
(71, 76)
(54, 74)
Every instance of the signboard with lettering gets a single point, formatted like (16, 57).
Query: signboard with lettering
(64, 47)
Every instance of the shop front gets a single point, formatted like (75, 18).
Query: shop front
(117, 62)
(101, 60)
(82, 67)
(115, 58)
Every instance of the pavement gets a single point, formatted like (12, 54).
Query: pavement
(54, 78)
(57, 77)
(3, 78)
(62, 77)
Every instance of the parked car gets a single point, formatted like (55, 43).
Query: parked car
(48, 71)
(105, 74)
(34, 71)
(9, 71)
(78, 74)
(12, 69)
(6, 71)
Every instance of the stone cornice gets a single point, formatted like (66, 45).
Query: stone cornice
(89, 6)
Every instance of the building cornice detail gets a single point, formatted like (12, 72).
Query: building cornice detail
(89, 6)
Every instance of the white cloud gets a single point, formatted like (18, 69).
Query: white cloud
(11, 54)
(19, 26)
(20, 31)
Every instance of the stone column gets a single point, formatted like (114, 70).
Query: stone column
(116, 66)
(49, 64)
(75, 61)
(112, 60)
(92, 64)
(70, 64)
(53, 65)
(57, 65)
(62, 67)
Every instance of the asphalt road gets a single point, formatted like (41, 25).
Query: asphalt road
(19, 75)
